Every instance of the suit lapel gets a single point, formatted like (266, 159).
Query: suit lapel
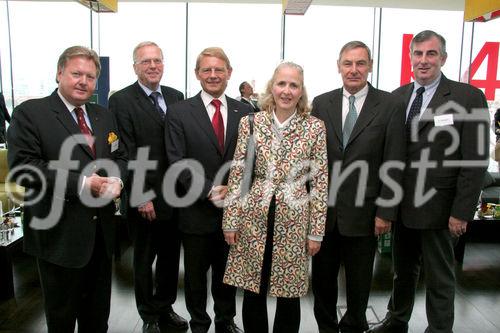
(67, 120)
(437, 100)
(233, 121)
(335, 113)
(168, 97)
(200, 115)
(368, 111)
(146, 104)
(97, 131)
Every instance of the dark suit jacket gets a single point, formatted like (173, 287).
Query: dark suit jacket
(376, 138)
(457, 188)
(4, 116)
(141, 126)
(497, 124)
(189, 135)
(252, 105)
(37, 131)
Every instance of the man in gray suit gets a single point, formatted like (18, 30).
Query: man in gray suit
(365, 128)
(428, 227)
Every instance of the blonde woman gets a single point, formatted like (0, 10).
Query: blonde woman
(279, 223)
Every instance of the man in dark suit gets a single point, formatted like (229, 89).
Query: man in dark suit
(204, 128)
(140, 110)
(365, 127)
(246, 94)
(439, 201)
(71, 236)
(4, 116)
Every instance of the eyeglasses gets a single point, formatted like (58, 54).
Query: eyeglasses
(209, 70)
(146, 62)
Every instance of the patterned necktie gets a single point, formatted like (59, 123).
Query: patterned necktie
(155, 96)
(85, 129)
(218, 123)
(350, 120)
(414, 110)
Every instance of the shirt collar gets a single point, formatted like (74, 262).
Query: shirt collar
(362, 93)
(430, 86)
(207, 98)
(286, 122)
(147, 90)
(70, 106)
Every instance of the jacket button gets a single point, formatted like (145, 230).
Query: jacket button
(94, 217)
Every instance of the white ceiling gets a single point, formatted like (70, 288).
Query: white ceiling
(415, 4)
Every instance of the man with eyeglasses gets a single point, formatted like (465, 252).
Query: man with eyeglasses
(204, 129)
(140, 110)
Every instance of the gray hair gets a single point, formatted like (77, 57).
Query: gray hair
(354, 45)
(267, 101)
(425, 36)
(140, 46)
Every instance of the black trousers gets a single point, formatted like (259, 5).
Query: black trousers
(357, 255)
(202, 252)
(287, 316)
(78, 294)
(159, 239)
(432, 250)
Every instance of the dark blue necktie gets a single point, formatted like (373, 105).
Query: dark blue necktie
(414, 110)
(155, 96)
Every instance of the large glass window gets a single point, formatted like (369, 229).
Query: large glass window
(315, 39)
(483, 70)
(248, 33)
(135, 22)
(5, 83)
(40, 33)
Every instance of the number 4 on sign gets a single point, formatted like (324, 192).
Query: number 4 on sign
(490, 84)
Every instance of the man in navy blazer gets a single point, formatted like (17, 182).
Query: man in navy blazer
(450, 130)
(140, 110)
(351, 226)
(191, 135)
(71, 240)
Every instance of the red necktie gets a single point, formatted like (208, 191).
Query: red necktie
(218, 123)
(85, 129)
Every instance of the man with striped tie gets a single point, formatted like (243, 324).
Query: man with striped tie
(140, 110)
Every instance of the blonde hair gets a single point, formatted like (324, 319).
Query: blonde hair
(216, 52)
(267, 101)
(78, 51)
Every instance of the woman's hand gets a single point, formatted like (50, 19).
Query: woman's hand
(231, 237)
(313, 247)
